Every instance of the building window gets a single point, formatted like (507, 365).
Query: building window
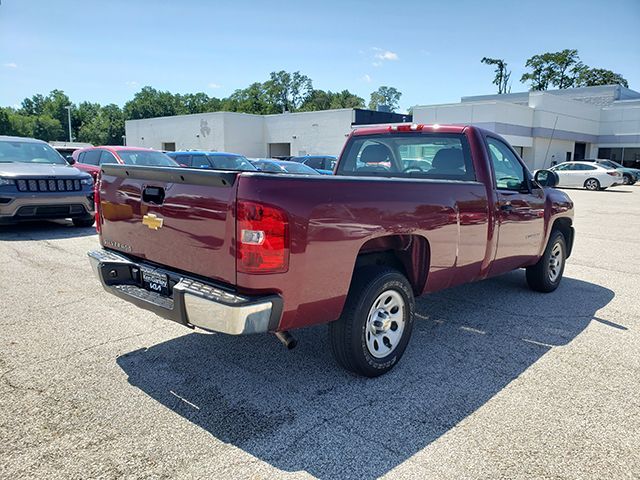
(631, 157)
(614, 154)
(169, 146)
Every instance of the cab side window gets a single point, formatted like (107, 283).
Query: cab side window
(509, 171)
(107, 157)
(91, 157)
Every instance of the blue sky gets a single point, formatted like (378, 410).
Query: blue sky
(105, 51)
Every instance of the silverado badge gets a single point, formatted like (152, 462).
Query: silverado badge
(152, 221)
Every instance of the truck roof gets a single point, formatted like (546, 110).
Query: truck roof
(388, 128)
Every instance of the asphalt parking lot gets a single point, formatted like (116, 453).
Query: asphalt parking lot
(498, 381)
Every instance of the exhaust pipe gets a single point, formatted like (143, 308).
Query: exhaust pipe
(287, 339)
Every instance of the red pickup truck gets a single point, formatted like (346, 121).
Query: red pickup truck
(411, 209)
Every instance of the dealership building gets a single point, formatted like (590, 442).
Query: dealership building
(554, 125)
(544, 127)
(302, 133)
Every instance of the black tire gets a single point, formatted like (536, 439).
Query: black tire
(348, 335)
(539, 276)
(84, 222)
(627, 179)
(592, 184)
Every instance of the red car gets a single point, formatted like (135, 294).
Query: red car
(410, 210)
(90, 159)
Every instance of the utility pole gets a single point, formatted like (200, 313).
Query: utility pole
(69, 118)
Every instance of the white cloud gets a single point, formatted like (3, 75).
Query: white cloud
(214, 85)
(131, 83)
(386, 55)
(366, 78)
(10, 65)
(377, 64)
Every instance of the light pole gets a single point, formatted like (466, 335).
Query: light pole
(69, 118)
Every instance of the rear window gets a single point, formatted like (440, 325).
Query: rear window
(146, 157)
(416, 155)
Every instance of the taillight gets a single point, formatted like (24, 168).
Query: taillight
(613, 174)
(262, 239)
(96, 203)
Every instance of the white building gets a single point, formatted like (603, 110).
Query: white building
(303, 133)
(553, 126)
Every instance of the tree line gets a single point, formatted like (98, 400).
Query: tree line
(562, 69)
(45, 117)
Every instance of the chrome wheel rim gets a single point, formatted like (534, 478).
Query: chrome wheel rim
(385, 323)
(592, 184)
(555, 261)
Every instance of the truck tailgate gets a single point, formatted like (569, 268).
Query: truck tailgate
(179, 218)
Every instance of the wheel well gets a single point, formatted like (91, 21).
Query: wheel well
(564, 225)
(409, 254)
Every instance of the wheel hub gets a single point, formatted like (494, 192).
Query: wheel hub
(385, 323)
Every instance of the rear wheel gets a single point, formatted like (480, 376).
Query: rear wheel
(627, 180)
(376, 323)
(592, 184)
(545, 275)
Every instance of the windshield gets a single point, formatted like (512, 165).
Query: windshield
(299, 168)
(28, 152)
(609, 164)
(146, 157)
(231, 162)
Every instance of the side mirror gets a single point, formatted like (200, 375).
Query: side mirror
(70, 160)
(546, 178)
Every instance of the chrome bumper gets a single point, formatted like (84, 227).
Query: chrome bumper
(191, 302)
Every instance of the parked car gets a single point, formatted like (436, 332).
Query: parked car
(91, 159)
(283, 166)
(587, 175)
(322, 163)
(37, 183)
(212, 160)
(270, 253)
(629, 175)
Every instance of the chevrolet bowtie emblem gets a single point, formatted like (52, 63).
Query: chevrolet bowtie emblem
(152, 221)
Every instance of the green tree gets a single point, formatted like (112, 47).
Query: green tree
(287, 91)
(253, 99)
(557, 69)
(199, 103)
(502, 75)
(385, 96)
(346, 99)
(150, 103)
(321, 100)
(591, 77)
(47, 128)
(54, 106)
(5, 122)
(33, 105)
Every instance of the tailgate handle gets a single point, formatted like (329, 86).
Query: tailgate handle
(153, 195)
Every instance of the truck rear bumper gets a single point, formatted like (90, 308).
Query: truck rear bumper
(191, 301)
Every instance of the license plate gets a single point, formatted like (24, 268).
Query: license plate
(156, 282)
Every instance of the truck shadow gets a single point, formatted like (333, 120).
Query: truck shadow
(43, 230)
(299, 411)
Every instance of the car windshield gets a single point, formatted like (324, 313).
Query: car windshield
(298, 168)
(28, 152)
(146, 157)
(231, 162)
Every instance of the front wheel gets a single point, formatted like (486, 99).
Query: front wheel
(376, 323)
(627, 180)
(592, 184)
(545, 275)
